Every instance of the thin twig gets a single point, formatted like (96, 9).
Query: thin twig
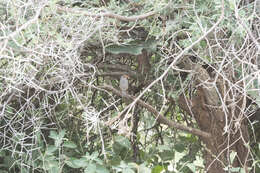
(107, 14)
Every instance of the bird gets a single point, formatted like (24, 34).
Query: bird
(124, 84)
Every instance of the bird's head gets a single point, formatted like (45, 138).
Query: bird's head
(126, 76)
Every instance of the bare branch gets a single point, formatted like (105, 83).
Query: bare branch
(160, 118)
(108, 14)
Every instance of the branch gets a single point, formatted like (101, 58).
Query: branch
(160, 118)
(180, 56)
(116, 68)
(107, 14)
(25, 25)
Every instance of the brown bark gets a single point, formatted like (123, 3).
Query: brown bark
(143, 62)
(206, 108)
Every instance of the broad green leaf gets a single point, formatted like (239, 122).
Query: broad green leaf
(178, 156)
(179, 147)
(57, 137)
(134, 48)
(51, 165)
(157, 169)
(50, 149)
(128, 170)
(69, 144)
(53, 134)
(77, 163)
(166, 155)
(93, 157)
(122, 141)
(101, 169)
(91, 168)
(163, 147)
(62, 133)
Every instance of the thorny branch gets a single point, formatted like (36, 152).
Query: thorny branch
(160, 118)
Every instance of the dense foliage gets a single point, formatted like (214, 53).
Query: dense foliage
(193, 96)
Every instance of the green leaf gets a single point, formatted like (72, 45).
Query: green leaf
(53, 134)
(91, 168)
(157, 169)
(203, 44)
(69, 144)
(166, 155)
(62, 133)
(178, 156)
(179, 147)
(133, 48)
(128, 170)
(77, 163)
(101, 169)
(93, 157)
(51, 165)
(121, 146)
(57, 137)
(50, 149)
(163, 147)
(130, 49)
(122, 141)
